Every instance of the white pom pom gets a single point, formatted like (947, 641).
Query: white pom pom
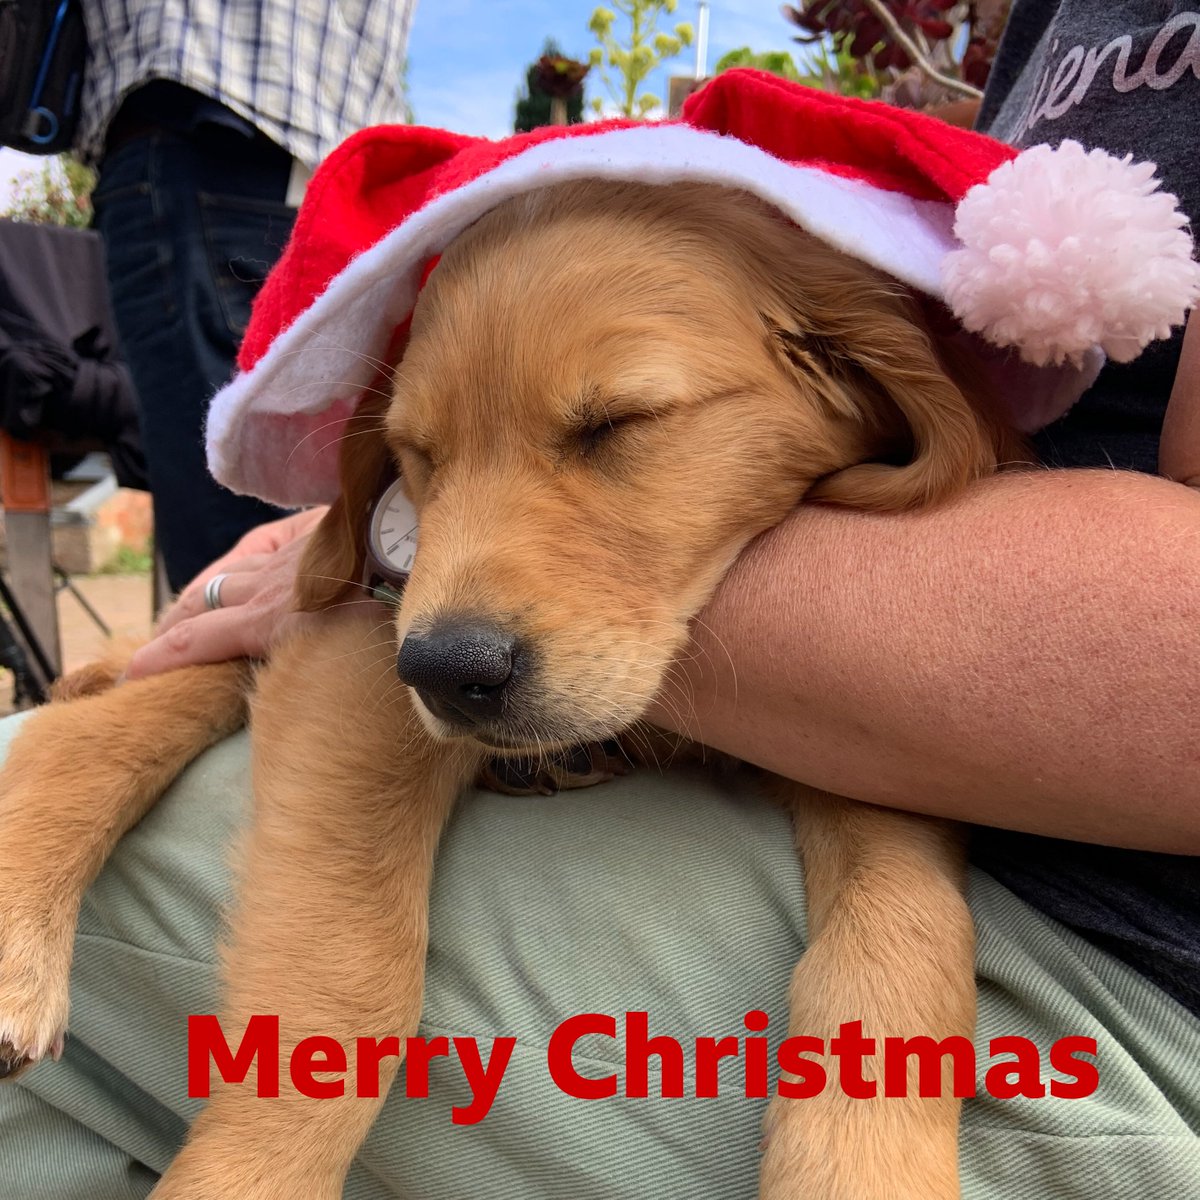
(1066, 249)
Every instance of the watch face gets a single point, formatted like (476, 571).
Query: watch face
(393, 530)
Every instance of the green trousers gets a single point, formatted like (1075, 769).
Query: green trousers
(670, 895)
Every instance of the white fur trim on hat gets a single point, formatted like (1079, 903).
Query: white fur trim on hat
(273, 431)
(1066, 249)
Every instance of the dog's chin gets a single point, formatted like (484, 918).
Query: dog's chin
(530, 737)
(516, 747)
(445, 731)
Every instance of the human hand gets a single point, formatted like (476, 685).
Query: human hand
(256, 602)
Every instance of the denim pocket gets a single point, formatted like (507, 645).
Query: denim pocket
(138, 256)
(126, 171)
(244, 238)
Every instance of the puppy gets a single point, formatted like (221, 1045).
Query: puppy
(608, 391)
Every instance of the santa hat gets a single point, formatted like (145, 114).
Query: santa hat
(1053, 257)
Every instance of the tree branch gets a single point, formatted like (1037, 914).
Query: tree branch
(920, 61)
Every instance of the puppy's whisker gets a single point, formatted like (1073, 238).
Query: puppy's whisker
(337, 441)
(330, 579)
(712, 633)
(324, 345)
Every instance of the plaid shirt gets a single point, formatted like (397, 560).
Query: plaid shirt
(308, 73)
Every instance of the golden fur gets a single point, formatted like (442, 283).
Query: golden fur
(607, 392)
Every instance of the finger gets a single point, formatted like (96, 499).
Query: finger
(214, 636)
(237, 588)
(246, 631)
(273, 535)
(258, 544)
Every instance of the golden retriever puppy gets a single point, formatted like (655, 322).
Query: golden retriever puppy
(608, 391)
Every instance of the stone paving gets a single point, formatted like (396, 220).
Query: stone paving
(122, 600)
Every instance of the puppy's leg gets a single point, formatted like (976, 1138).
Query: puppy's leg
(95, 677)
(891, 944)
(78, 775)
(330, 927)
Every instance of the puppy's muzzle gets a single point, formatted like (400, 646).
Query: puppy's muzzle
(463, 670)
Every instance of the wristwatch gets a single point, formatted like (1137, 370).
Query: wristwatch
(391, 544)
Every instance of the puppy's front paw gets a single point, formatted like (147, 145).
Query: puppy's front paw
(35, 968)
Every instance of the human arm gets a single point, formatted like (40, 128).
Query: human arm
(1027, 656)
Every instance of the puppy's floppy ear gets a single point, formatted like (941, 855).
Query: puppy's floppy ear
(333, 560)
(864, 346)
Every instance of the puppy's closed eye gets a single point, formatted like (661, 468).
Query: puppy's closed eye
(597, 432)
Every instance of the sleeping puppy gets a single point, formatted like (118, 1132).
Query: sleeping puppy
(609, 389)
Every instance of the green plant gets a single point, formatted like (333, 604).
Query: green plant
(777, 62)
(829, 66)
(58, 194)
(834, 68)
(624, 62)
(129, 560)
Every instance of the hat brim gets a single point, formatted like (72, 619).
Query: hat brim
(273, 432)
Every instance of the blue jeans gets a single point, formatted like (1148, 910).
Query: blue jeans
(192, 222)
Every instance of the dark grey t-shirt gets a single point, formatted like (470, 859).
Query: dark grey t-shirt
(1123, 75)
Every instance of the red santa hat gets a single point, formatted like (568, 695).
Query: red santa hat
(1054, 258)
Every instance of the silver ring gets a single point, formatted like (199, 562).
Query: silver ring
(212, 591)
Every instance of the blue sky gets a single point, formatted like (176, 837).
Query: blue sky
(467, 58)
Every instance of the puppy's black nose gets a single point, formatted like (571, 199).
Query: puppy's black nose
(461, 670)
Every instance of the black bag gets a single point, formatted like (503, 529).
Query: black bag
(43, 47)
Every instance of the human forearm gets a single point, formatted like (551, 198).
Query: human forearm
(1027, 657)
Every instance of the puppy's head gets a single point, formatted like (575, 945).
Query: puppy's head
(608, 391)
